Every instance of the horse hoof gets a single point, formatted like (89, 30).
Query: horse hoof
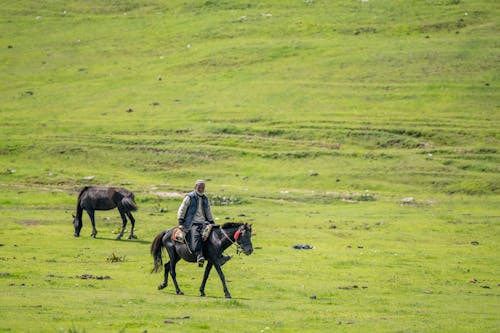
(162, 286)
(202, 294)
(180, 293)
(132, 237)
(228, 296)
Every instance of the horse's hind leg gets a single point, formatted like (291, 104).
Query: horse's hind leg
(166, 271)
(174, 276)
(92, 220)
(132, 221)
(124, 219)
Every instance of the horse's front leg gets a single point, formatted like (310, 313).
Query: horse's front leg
(132, 221)
(205, 277)
(124, 220)
(92, 220)
(223, 280)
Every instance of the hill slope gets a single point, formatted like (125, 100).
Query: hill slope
(368, 129)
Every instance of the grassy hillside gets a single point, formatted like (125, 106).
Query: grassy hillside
(368, 129)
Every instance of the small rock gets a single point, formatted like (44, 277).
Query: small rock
(407, 201)
(130, 110)
(474, 243)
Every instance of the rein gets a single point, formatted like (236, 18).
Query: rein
(236, 236)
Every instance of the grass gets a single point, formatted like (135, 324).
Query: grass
(313, 120)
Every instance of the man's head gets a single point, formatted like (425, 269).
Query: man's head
(199, 186)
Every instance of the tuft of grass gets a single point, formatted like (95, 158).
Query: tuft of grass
(115, 258)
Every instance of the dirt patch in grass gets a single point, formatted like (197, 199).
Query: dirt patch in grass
(29, 222)
(169, 194)
(93, 277)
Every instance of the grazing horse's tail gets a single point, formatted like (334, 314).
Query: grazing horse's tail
(156, 252)
(129, 203)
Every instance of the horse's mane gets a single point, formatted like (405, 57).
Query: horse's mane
(231, 225)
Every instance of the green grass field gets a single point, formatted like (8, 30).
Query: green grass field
(367, 129)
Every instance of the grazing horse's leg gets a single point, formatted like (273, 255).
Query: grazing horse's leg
(166, 271)
(132, 221)
(124, 219)
(223, 280)
(92, 220)
(205, 277)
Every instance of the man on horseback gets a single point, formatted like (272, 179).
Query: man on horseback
(192, 215)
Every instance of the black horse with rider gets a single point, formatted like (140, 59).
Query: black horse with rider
(220, 238)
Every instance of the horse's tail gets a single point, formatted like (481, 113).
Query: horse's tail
(129, 203)
(156, 252)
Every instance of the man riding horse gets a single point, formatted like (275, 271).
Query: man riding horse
(193, 216)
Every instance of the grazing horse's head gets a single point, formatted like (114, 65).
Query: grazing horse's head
(77, 222)
(243, 238)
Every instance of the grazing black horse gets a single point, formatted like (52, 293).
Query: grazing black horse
(220, 239)
(93, 198)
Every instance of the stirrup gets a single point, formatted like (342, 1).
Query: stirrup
(201, 261)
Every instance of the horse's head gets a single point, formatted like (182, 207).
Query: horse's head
(243, 237)
(77, 222)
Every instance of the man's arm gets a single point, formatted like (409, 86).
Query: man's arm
(181, 213)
